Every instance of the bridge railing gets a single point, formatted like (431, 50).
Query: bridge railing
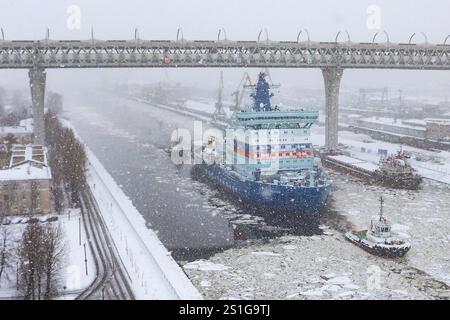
(224, 53)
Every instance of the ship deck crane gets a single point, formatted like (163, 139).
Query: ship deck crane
(239, 92)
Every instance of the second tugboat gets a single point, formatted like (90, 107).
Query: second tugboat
(396, 172)
(393, 171)
(379, 239)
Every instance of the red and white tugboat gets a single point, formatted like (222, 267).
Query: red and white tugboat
(396, 172)
(379, 240)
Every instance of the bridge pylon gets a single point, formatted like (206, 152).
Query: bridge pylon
(332, 78)
(37, 76)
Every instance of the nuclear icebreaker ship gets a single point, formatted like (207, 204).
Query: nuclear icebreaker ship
(267, 156)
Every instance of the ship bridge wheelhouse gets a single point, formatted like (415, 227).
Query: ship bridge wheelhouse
(266, 141)
(380, 227)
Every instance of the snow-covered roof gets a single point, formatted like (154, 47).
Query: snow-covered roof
(27, 162)
(27, 153)
(438, 120)
(353, 115)
(26, 171)
(27, 123)
(26, 126)
(14, 130)
(415, 122)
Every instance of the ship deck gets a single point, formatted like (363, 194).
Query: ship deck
(358, 163)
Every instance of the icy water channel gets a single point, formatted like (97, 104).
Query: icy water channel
(196, 220)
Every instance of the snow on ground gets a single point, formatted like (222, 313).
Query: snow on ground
(207, 105)
(320, 267)
(203, 106)
(73, 273)
(153, 272)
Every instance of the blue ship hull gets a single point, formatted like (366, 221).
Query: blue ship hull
(298, 198)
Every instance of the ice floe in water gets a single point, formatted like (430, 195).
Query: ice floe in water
(204, 265)
(340, 280)
(265, 253)
(205, 283)
(319, 267)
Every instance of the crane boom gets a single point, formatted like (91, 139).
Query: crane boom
(239, 92)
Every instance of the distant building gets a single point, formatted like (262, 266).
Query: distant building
(428, 128)
(23, 132)
(438, 129)
(392, 126)
(25, 186)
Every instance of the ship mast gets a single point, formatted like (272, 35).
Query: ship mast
(381, 207)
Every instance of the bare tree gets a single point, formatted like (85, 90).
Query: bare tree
(53, 251)
(10, 140)
(41, 258)
(2, 102)
(34, 194)
(67, 158)
(54, 102)
(58, 198)
(30, 261)
(6, 251)
(3, 212)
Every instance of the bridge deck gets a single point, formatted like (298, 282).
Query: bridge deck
(205, 53)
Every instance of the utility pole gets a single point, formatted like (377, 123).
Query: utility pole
(85, 259)
(17, 275)
(79, 230)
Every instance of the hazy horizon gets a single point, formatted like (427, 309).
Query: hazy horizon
(28, 19)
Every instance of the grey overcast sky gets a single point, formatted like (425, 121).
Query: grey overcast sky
(201, 19)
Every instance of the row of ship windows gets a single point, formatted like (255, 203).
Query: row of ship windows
(289, 161)
(279, 132)
(275, 140)
(287, 154)
(296, 161)
(286, 131)
(283, 146)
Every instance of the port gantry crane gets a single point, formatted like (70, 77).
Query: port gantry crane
(219, 113)
(239, 92)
